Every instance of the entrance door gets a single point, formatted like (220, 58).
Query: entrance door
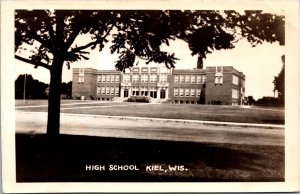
(163, 94)
(126, 93)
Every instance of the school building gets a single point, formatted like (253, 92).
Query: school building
(213, 85)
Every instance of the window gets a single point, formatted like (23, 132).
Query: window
(144, 78)
(135, 77)
(235, 80)
(112, 78)
(176, 79)
(153, 92)
(135, 91)
(198, 92)
(102, 90)
(181, 92)
(112, 90)
(126, 78)
(163, 77)
(144, 91)
(99, 79)
(192, 92)
(204, 79)
(107, 90)
(117, 91)
(153, 78)
(187, 79)
(193, 79)
(199, 79)
(103, 78)
(181, 78)
(108, 78)
(187, 92)
(176, 92)
(98, 90)
(117, 78)
(235, 94)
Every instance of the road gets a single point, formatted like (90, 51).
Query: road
(156, 129)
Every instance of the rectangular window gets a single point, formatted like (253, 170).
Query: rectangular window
(108, 78)
(153, 78)
(181, 78)
(103, 78)
(112, 78)
(187, 79)
(181, 92)
(235, 80)
(117, 78)
(199, 79)
(193, 79)
(176, 92)
(117, 91)
(126, 78)
(204, 79)
(98, 90)
(176, 79)
(163, 77)
(198, 92)
(102, 90)
(112, 90)
(107, 90)
(192, 92)
(99, 78)
(235, 94)
(187, 92)
(135, 77)
(144, 78)
(135, 91)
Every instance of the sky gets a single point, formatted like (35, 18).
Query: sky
(259, 64)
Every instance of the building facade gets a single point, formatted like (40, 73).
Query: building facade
(213, 85)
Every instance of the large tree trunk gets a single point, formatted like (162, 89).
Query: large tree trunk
(54, 97)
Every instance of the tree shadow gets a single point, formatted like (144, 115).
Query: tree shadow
(64, 159)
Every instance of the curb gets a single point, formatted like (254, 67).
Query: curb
(210, 123)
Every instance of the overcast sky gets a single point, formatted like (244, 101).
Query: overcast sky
(259, 64)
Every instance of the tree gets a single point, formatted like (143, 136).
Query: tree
(51, 36)
(34, 88)
(251, 100)
(279, 82)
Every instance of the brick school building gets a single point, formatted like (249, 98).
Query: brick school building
(213, 85)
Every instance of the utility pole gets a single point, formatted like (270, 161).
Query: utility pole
(24, 97)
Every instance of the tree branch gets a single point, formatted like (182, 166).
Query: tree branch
(33, 62)
(77, 49)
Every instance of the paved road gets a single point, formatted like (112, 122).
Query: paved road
(31, 122)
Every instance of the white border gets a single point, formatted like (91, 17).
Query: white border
(291, 9)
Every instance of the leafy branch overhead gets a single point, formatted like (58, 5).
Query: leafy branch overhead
(137, 33)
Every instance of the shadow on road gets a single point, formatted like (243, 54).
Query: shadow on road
(39, 159)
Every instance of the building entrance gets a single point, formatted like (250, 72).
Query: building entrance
(163, 94)
(126, 93)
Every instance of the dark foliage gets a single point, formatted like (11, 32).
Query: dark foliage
(34, 89)
(279, 83)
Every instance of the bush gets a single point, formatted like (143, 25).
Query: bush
(143, 99)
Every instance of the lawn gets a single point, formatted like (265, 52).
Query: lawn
(39, 159)
(173, 111)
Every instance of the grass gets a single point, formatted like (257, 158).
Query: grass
(39, 159)
(177, 111)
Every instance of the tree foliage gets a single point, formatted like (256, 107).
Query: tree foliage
(48, 39)
(34, 89)
(279, 82)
